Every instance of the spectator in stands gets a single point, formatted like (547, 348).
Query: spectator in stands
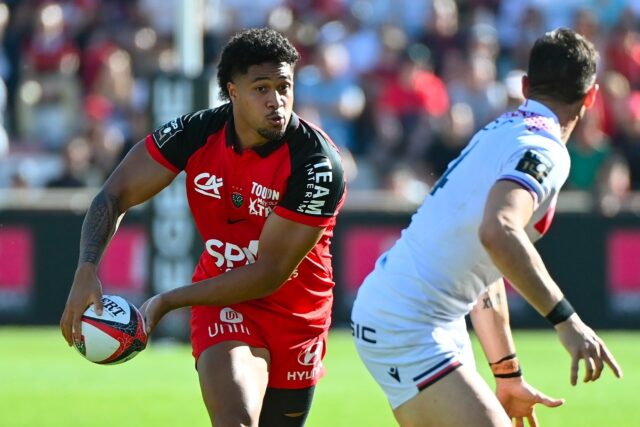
(630, 139)
(405, 111)
(614, 95)
(442, 32)
(479, 89)
(456, 129)
(63, 60)
(77, 167)
(623, 52)
(325, 90)
(48, 106)
(589, 150)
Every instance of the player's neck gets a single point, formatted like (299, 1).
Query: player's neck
(251, 142)
(568, 115)
(247, 137)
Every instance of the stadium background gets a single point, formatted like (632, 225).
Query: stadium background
(399, 85)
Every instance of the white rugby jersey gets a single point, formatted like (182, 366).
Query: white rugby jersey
(438, 268)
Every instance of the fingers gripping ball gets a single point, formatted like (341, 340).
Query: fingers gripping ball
(114, 337)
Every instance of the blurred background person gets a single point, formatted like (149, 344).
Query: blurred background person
(380, 76)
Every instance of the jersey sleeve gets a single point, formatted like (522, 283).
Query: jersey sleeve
(314, 191)
(173, 143)
(540, 168)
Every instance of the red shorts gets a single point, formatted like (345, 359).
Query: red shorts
(296, 348)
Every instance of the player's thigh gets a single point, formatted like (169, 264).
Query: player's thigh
(460, 399)
(233, 379)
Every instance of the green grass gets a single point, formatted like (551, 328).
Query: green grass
(43, 383)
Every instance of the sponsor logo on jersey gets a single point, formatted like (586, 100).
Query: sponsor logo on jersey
(232, 323)
(304, 375)
(228, 256)
(260, 207)
(162, 135)
(229, 315)
(535, 164)
(309, 356)
(208, 184)
(264, 192)
(319, 177)
(227, 328)
(262, 200)
(395, 374)
(364, 333)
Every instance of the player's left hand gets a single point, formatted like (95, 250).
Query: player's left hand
(152, 311)
(518, 399)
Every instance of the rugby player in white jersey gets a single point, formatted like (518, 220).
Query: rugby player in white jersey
(476, 227)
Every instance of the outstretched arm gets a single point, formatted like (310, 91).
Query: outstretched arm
(490, 318)
(276, 261)
(136, 179)
(508, 210)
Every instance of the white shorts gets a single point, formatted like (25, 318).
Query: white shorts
(406, 360)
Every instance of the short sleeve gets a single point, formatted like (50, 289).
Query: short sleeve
(540, 168)
(174, 142)
(314, 191)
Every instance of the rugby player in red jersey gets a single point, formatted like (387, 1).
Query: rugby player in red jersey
(264, 188)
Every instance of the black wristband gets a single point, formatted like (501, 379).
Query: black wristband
(507, 357)
(561, 312)
(515, 374)
(507, 367)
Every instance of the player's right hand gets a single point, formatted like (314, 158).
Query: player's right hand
(86, 290)
(582, 343)
(519, 399)
(152, 311)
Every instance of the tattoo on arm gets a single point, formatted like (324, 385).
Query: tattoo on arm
(98, 227)
(487, 303)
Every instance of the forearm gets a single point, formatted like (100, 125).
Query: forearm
(100, 223)
(490, 318)
(242, 284)
(516, 257)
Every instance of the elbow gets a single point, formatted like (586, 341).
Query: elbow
(492, 234)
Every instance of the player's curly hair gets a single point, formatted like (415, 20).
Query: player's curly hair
(252, 47)
(562, 66)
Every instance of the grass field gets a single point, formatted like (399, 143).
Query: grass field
(43, 383)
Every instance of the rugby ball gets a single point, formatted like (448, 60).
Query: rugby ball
(115, 336)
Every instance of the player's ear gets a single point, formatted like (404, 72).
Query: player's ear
(525, 86)
(590, 97)
(232, 90)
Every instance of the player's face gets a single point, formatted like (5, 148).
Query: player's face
(262, 102)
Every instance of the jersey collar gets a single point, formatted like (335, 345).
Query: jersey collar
(265, 149)
(537, 108)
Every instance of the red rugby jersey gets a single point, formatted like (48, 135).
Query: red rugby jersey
(232, 190)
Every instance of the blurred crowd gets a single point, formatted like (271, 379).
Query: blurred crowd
(399, 85)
